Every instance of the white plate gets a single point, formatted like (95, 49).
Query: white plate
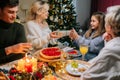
(76, 72)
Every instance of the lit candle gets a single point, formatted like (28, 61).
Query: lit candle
(34, 63)
(20, 66)
(28, 66)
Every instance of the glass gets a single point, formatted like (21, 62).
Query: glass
(29, 53)
(83, 50)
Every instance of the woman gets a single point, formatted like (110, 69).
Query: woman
(37, 29)
(106, 65)
(93, 37)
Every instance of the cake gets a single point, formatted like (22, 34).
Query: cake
(50, 53)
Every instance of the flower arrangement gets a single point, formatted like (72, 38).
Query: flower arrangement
(42, 70)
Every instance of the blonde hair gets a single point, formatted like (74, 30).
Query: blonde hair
(37, 5)
(101, 29)
(113, 19)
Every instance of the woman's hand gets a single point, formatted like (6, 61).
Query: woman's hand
(56, 34)
(73, 34)
(18, 48)
(107, 37)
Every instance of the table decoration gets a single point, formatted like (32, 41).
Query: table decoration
(28, 68)
(27, 64)
(42, 70)
(58, 65)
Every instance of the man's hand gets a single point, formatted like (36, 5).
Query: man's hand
(18, 48)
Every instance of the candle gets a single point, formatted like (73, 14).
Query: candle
(20, 66)
(28, 66)
(34, 63)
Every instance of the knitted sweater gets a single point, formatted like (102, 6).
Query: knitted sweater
(11, 33)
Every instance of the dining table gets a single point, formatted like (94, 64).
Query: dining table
(60, 70)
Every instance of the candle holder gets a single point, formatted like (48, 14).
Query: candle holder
(27, 65)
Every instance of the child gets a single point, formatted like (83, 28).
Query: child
(93, 37)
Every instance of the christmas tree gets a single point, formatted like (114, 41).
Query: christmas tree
(62, 16)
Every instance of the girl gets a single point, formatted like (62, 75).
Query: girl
(93, 37)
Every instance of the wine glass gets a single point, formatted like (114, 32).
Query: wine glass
(83, 50)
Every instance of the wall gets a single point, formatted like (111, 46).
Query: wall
(83, 10)
(103, 4)
(23, 7)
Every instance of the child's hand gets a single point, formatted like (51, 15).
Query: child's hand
(73, 34)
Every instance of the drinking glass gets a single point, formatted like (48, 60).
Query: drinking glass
(83, 50)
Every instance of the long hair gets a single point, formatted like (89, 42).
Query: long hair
(101, 29)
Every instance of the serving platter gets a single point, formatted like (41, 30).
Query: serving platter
(77, 71)
(68, 75)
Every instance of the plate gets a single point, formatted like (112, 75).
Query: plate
(78, 71)
(77, 54)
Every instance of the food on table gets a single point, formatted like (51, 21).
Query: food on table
(74, 64)
(72, 52)
(2, 76)
(50, 53)
(81, 69)
(51, 77)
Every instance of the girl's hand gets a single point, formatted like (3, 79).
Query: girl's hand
(73, 34)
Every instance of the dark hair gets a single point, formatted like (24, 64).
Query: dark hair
(10, 3)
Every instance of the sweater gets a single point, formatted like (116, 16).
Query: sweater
(11, 34)
(106, 65)
(95, 45)
(38, 36)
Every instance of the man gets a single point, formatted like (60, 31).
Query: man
(106, 65)
(13, 44)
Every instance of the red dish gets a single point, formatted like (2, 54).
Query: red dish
(50, 53)
(72, 52)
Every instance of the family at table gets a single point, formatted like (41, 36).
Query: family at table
(102, 38)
